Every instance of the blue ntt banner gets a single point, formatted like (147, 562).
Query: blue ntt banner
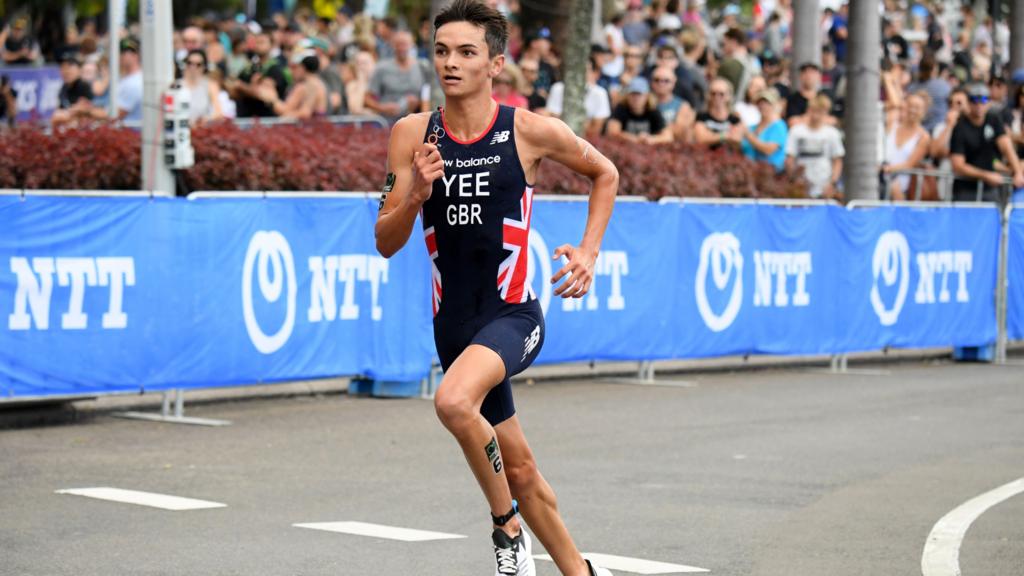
(121, 294)
(1015, 273)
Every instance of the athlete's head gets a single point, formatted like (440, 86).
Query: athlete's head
(469, 46)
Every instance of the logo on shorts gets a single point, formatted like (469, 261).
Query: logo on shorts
(500, 137)
(531, 342)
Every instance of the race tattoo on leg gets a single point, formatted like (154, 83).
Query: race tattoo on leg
(588, 151)
(493, 455)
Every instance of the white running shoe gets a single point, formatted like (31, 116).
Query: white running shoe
(597, 570)
(513, 556)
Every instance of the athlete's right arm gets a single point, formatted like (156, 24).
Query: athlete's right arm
(412, 168)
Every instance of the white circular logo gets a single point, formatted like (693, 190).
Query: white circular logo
(270, 253)
(720, 253)
(891, 264)
(539, 256)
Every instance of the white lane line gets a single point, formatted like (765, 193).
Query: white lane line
(379, 531)
(150, 499)
(942, 549)
(634, 565)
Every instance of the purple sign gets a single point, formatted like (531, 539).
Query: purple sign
(38, 90)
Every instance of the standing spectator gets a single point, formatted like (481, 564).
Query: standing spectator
(595, 103)
(978, 140)
(636, 30)
(810, 84)
(668, 57)
(396, 85)
(538, 48)
(906, 146)
(998, 96)
(204, 93)
(839, 31)
(633, 66)
(637, 120)
(8, 103)
(718, 125)
(263, 70)
(530, 68)
(506, 88)
(129, 90)
(774, 38)
(747, 108)
(775, 73)
(832, 72)
(942, 133)
(357, 81)
(818, 148)
(1017, 119)
(766, 140)
(616, 44)
(936, 88)
(737, 66)
(191, 39)
(678, 114)
(693, 47)
(75, 94)
(20, 48)
(308, 95)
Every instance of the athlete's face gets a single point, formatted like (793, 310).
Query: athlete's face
(462, 61)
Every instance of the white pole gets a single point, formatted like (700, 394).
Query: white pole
(115, 22)
(157, 74)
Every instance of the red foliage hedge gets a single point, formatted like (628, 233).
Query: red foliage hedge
(319, 156)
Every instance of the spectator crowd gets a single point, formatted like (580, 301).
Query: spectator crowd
(661, 72)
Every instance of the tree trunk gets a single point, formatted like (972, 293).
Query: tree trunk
(1016, 36)
(436, 95)
(574, 64)
(806, 36)
(863, 115)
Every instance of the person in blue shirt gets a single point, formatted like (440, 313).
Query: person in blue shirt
(766, 141)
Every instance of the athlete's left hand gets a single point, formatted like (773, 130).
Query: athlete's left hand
(580, 268)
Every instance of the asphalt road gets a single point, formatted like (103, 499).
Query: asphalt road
(753, 473)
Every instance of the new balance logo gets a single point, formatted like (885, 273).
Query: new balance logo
(531, 342)
(500, 137)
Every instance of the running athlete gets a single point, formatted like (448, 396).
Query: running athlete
(468, 169)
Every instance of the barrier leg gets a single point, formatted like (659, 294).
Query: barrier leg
(179, 413)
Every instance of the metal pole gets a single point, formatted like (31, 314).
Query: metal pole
(860, 169)
(806, 36)
(1016, 35)
(1002, 285)
(158, 74)
(115, 22)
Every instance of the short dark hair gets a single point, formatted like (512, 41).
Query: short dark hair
(737, 36)
(478, 14)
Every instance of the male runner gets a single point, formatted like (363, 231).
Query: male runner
(468, 170)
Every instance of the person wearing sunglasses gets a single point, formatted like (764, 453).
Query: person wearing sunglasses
(978, 141)
(205, 93)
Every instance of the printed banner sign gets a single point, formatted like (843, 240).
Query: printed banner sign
(102, 295)
(37, 90)
(1015, 274)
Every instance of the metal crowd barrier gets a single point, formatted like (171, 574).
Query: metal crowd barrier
(945, 180)
(357, 120)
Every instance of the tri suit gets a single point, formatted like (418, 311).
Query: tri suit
(477, 225)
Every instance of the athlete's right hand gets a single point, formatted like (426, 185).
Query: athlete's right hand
(427, 166)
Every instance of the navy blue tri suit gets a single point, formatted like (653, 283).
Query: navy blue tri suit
(477, 225)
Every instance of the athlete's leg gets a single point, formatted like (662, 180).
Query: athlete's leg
(463, 388)
(537, 502)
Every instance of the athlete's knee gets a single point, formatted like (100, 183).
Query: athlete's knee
(454, 408)
(522, 475)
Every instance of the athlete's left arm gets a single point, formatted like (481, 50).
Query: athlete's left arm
(551, 138)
